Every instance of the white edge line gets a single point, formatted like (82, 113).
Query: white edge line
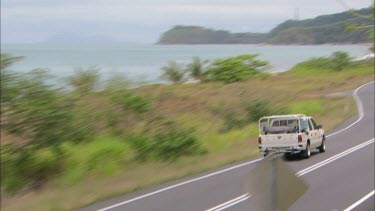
(303, 172)
(228, 202)
(361, 114)
(336, 156)
(234, 203)
(360, 109)
(360, 201)
(180, 184)
(329, 160)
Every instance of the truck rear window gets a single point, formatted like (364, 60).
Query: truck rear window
(279, 126)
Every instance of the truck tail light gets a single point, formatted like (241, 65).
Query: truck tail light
(299, 139)
(259, 140)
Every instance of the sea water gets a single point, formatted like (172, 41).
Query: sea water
(143, 62)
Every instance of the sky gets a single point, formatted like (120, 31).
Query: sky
(142, 21)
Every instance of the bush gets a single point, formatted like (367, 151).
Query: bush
(250, 112)
(197, 68)
(173, 72)
(136, 103)
(165, 140)
(27, 166)
(259, 108)
(131, 102)
(317, 63)
(104, 155)
(235, 69)
(84, 80)
(39, 112)
(175, 142)
(142, 145)
(337, 61)
(11, 181)
(340, 60)
(232, 121)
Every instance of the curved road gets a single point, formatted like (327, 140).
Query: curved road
(342, 178)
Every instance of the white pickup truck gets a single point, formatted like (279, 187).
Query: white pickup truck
(290, 134)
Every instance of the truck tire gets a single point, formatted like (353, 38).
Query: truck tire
(307, 152)
(322, 147)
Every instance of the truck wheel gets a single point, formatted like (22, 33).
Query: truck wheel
(307, 152)
(322, 147)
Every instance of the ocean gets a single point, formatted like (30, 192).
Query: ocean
(141, 63)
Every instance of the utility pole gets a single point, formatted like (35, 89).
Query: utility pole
(296, 13)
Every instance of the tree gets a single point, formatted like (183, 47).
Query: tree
(368, 28)
(340, 60)
(236, 68)
(7, 60)
(8, 77)
(197, 68)
(39, 112)
(84, 81)
(173, 72)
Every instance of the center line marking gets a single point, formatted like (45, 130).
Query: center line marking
(230, 203)
(360, 201)
(298, 174)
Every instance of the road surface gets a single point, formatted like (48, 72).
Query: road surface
(342, 178)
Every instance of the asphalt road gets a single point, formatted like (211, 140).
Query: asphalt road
(341, 178)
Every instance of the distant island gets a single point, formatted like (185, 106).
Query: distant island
(320, 30)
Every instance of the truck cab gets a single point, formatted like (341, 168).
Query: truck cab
(290, 134)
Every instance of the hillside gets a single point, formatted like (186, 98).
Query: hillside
(320, 30)
(201, 35)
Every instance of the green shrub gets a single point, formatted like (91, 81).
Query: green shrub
(41, 164)
(232, 121)
(131, 102)
(259, 108)
(104, 155)
(336, 62)
(173, 72)
(250, 112)
(27, 166)
(136, 103)
(39, 112)
(317, 63)
(165, 140)
(340, 60)
(142, 145)
(175, 142)
(7, 60)
(235, 69)
(197, 68)
(84, 81)
(11, 182)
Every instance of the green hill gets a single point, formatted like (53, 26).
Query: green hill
(201, 35)
(320, 30)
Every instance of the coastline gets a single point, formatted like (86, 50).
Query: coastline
(142, 63)
(263, 44)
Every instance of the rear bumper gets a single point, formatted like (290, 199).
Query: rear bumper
(288, 150)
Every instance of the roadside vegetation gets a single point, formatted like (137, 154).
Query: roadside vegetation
(227, 70)
(66, 148)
